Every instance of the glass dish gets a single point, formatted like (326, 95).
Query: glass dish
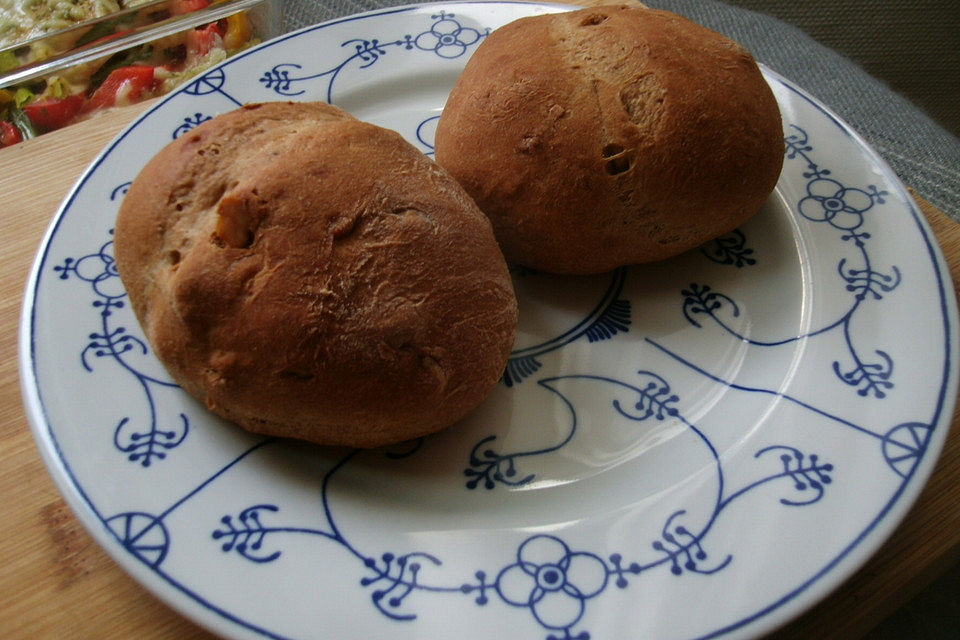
(55, 79)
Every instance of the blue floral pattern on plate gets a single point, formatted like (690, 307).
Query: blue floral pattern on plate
(648, 416)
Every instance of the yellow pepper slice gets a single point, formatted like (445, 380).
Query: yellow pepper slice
(238, 32)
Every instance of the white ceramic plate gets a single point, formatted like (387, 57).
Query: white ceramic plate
(698, 448)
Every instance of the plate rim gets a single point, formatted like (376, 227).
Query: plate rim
(196, 608)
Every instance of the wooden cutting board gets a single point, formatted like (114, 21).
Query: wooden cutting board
(55, 582)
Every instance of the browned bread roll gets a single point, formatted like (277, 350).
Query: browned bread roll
(610, 136)
(309, 275)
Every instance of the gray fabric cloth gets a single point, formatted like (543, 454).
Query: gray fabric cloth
(922, 153)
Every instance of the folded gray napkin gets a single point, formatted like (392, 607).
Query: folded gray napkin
(921, 152)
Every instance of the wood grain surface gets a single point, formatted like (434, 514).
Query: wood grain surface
(55, 582)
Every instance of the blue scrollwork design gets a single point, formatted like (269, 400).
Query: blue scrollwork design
(491, 468)
(552, 581)
(806, 472)
(446, 38)
(610, 317)
(614, 320)
(548, 577)
(99, 270)
(702, 300)
(423, 133)
(683, 548)
(827, 201)
(397, 578)
(142, 534)
(189, 123)
(520, 367)
(868, 377)
(904, 445)
(654, 399)
(730, 249)
(865, 283)
(246, 534)
(209, 83)
(120, 190)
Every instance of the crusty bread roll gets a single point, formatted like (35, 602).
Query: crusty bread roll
(610, 136)
(309, 275)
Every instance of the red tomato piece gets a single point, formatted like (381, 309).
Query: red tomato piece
(126, 85)
(9, 134)
(53, 113)
(201, 41)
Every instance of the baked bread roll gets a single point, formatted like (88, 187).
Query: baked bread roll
(309, 275)
(610, 136)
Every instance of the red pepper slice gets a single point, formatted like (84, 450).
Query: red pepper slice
(53, 113)
(9, 134)
(201, 41)
(126, 83)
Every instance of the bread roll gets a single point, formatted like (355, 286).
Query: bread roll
(309, 275)
(610, 136)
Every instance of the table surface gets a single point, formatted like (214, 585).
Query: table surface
(56, 582)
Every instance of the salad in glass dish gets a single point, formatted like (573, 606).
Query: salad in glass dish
(63, 60)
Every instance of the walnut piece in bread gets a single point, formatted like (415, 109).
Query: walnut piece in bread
(309, 275)
(610, 136)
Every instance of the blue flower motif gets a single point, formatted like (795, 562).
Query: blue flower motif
(552, 581)
(830, 201)
(447, 38)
